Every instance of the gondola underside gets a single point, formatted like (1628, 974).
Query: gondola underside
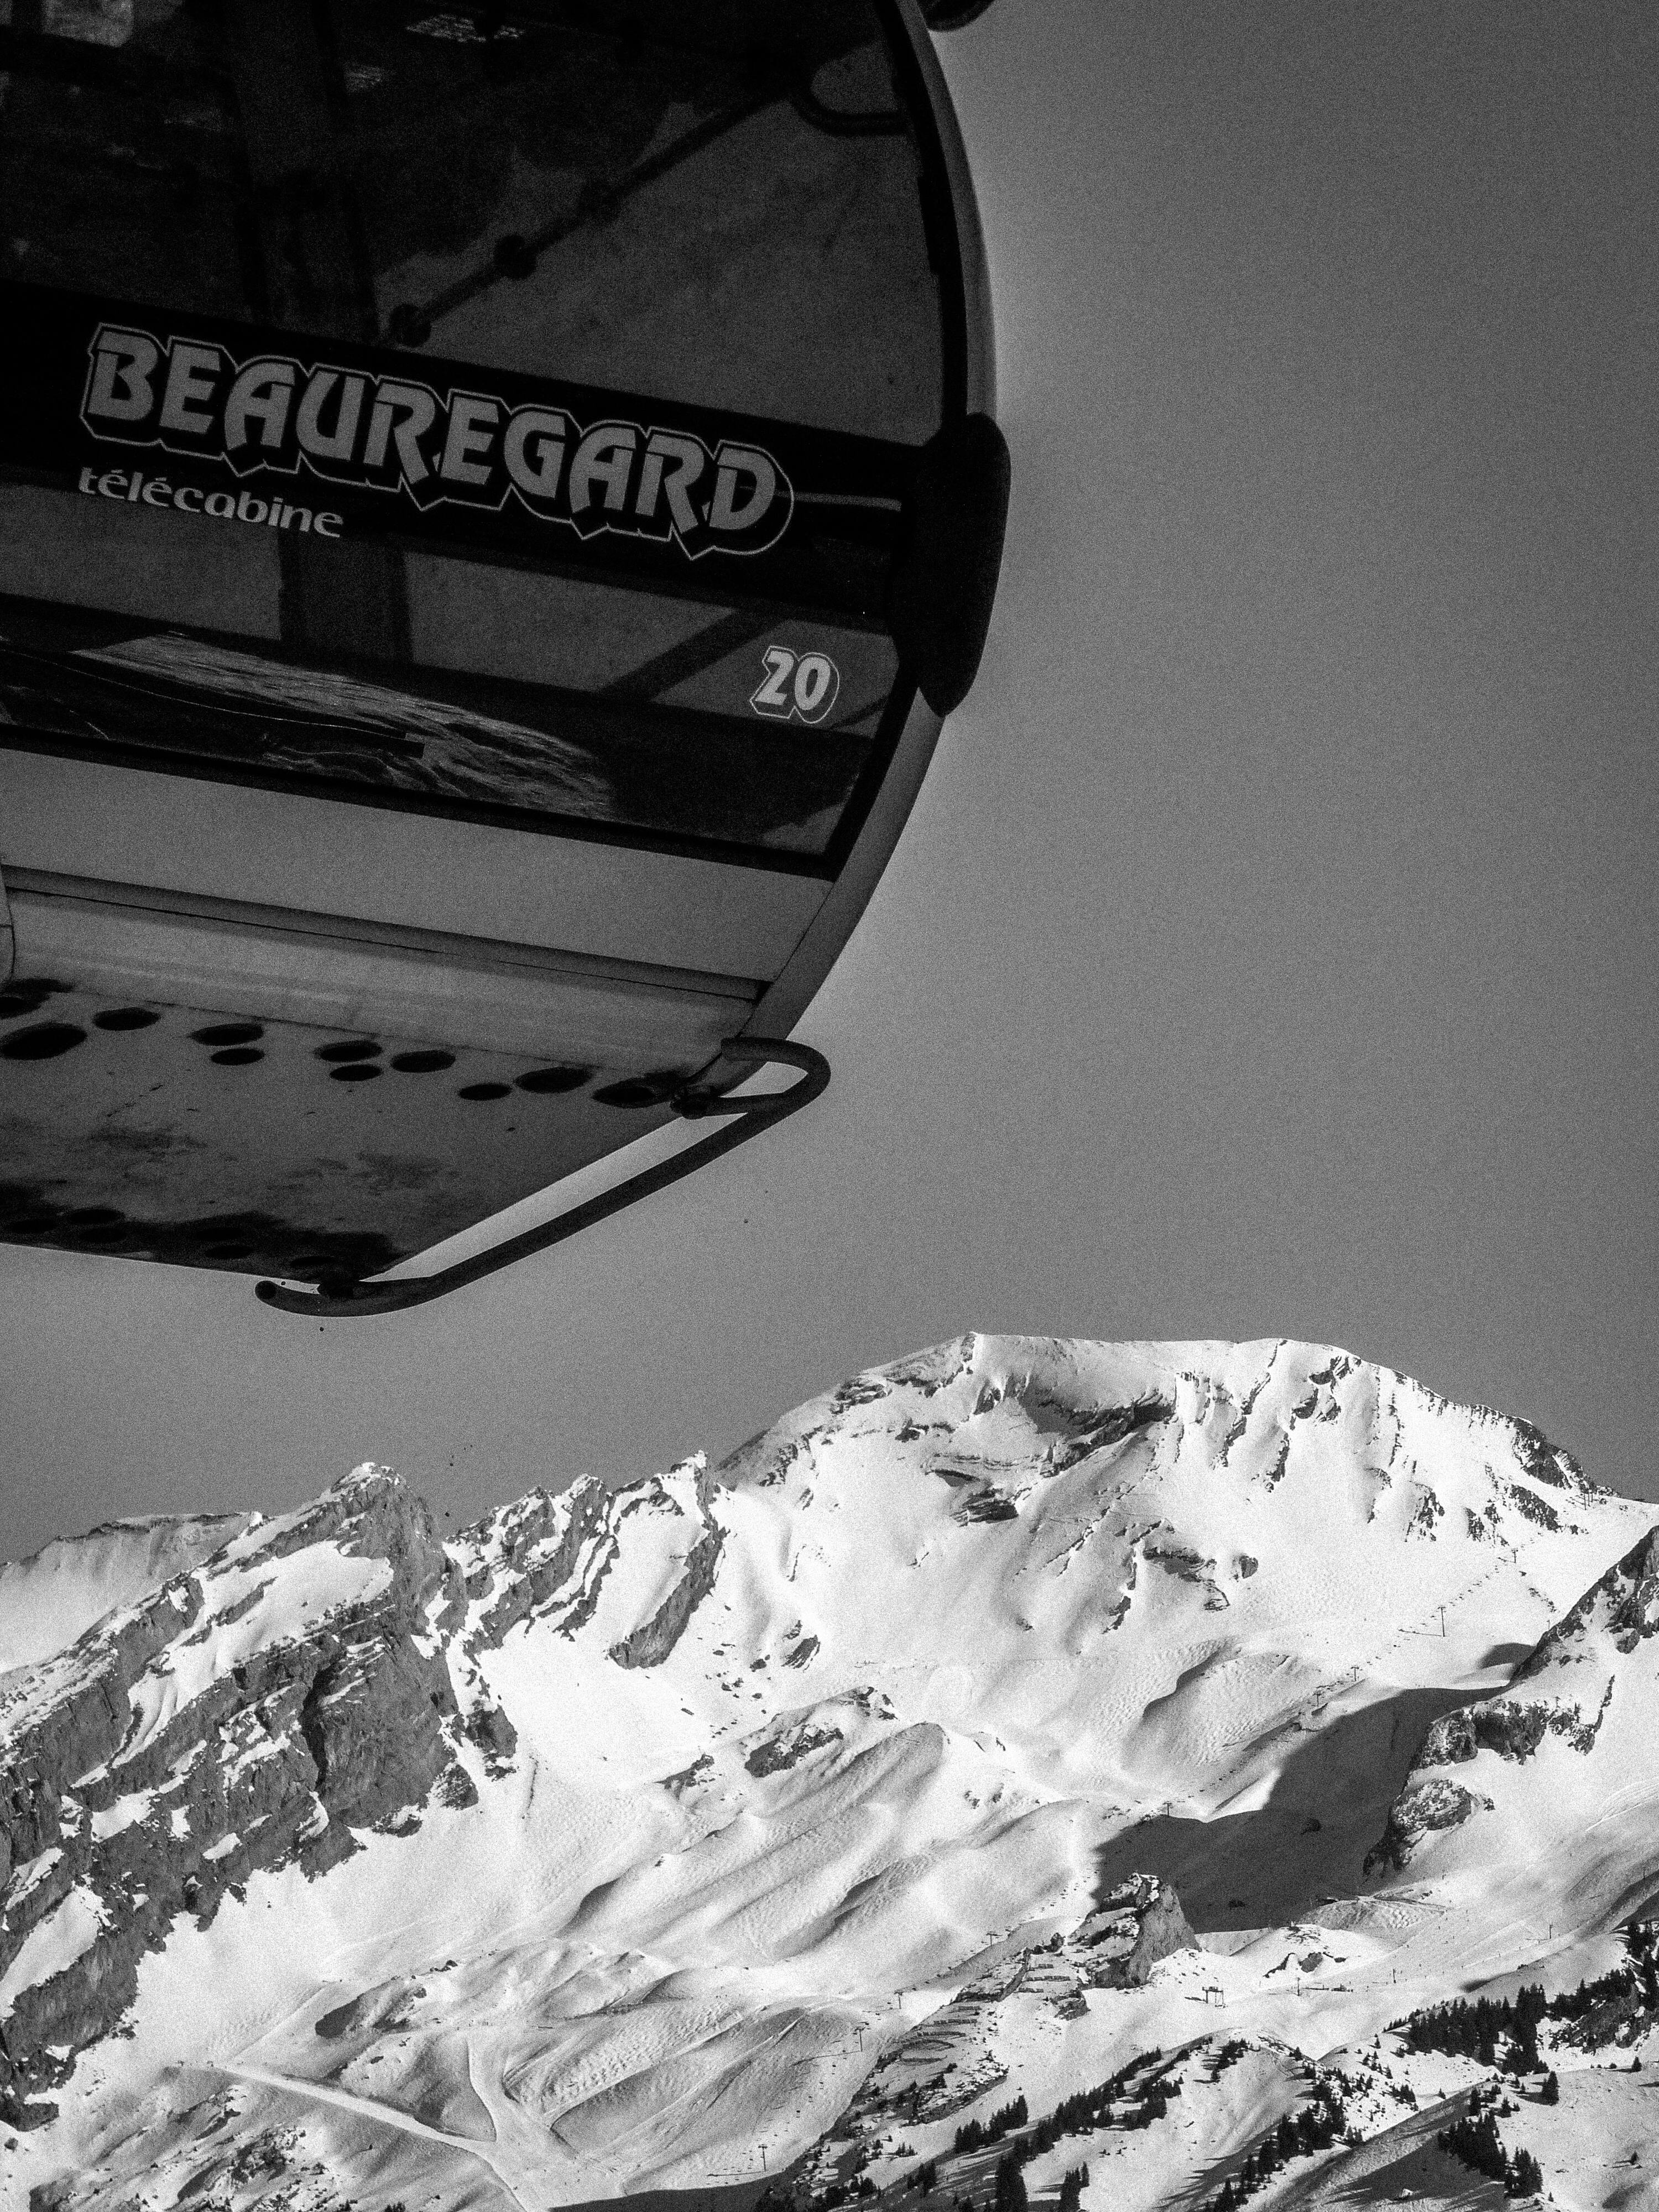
(219, 1128)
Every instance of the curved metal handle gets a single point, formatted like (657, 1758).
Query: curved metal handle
(750, 1054)
(339, 1295)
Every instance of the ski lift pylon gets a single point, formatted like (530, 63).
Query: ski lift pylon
(495, 507)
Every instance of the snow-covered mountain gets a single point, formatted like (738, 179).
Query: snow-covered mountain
(988, 1721)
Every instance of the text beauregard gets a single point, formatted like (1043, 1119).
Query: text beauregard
(387, 433)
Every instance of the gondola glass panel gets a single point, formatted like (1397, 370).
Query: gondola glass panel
(425, 574)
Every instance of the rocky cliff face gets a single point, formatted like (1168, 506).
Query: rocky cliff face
(963, 2055)
(1136, 1924)
(265, 1705)
(253, 1711)
(1557, 1703)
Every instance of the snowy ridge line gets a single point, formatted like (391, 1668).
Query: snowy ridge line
(952, 1738)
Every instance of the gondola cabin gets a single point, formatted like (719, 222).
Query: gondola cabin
(495, 505)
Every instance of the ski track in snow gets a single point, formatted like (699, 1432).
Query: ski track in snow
(365, 2108)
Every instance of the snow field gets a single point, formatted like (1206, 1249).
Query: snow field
(986, 1629)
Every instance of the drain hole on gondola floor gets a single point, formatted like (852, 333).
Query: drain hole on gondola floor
(45, 1041)
(540, 1080)
(640, 1090)
(125, 1018)
(219, 1033)
(350, 1048)
(95, 1225)
(27, 996)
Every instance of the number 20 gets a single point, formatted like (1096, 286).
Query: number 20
(802, 686)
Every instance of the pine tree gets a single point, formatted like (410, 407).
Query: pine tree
(1551, 2088)
(1525, 2177)
(1475, 2141)
(1072, 2187)
(1010, 2186)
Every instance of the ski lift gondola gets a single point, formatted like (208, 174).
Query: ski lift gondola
(495, 505)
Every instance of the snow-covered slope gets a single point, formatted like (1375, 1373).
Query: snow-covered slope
(632, 1839)
(1560, 1768)
(48, 1601)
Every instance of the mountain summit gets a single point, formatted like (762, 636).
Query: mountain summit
(631, 1839)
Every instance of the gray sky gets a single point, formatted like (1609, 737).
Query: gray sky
(1271, 952)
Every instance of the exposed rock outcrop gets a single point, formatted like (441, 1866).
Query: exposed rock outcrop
(1512, 1731)
(780, 1753)
(1614, 1616)
(529, 1554)
(1623, 1605)
(650, 1643)
(1103, 1426)
(185, 1739)
(1134, 1926)
(1435, 1804)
